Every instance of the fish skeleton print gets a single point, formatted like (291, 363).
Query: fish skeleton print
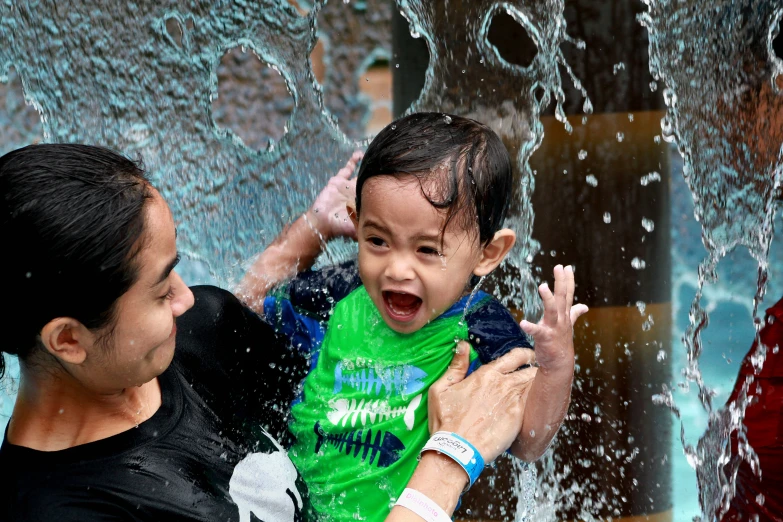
(383, 445)
(364, 410)
(404, 379)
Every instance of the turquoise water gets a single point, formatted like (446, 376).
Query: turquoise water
(726, 340)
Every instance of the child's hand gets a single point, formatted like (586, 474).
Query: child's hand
(554, 333)
(328, 212)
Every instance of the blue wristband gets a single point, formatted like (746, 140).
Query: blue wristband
(458, 449)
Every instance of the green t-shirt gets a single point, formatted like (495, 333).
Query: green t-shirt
(362, 419)
(363, 416)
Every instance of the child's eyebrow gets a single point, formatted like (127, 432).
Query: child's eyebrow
(377, 226)
(427, 237)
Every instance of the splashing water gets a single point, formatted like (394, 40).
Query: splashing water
(718, 94)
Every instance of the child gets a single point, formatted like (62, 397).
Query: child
(431, 196)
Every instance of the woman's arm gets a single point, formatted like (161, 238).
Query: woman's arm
(299, 244)
(486, 409)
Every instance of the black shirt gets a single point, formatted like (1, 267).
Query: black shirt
(204, 455)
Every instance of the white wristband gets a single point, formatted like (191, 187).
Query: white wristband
(422, 505)
(460, 450)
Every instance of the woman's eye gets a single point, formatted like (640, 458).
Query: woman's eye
(169, 295)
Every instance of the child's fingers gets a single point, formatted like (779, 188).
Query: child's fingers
(354, 160)
(570, 284)
(548, 299)
(344, 172)
(529, 328)
(561, 287)
(577, 311)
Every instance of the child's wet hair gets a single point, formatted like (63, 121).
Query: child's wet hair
(462, 167)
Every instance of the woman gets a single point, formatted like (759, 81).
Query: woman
(111, 422)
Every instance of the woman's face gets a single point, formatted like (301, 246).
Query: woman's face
(141, 345)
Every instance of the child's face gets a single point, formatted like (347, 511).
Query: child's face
(411, 277)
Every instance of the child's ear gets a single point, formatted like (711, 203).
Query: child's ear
(495, 251)
(352, 214)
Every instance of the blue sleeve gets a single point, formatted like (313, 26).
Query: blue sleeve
(314, 292)
(305, 332)
(493, 331)
(300, 310)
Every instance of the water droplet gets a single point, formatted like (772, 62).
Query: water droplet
(630, 117)
(585, 417)
(447, 119)
(532, 433)
(650, 178)
(619, 66)
(653, 86)
(607, 217)
(553, 253)
(641, 305)
(638, 264)
(587, 106)
(667, 129)
(669, 97)
(591, 180)
(661, 356)
(648, 224)
(582, 154)
(620, 137)
(396, 66)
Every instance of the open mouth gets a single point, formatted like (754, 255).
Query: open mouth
(401, 306)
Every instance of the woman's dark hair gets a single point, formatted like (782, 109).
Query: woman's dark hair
(70, 221)
(464, 159)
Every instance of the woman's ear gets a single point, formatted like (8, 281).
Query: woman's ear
(495, 251)
(67, 339)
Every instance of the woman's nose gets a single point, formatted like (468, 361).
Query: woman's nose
(183, 298)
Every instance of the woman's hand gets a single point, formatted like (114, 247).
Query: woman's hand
(329, 214)
(486, 408)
